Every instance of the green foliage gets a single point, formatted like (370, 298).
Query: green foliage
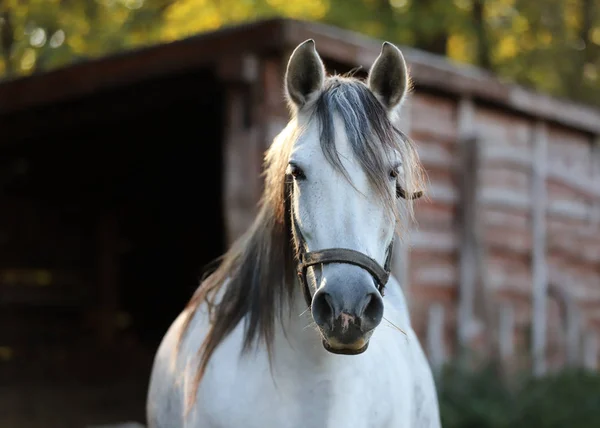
(473, 399)
(552, 45)
(40, 35)
(570, 399)
(482, 399)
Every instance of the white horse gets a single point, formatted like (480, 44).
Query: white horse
(286, 331)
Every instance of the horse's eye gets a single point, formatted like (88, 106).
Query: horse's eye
(296, 172)
(394, 173)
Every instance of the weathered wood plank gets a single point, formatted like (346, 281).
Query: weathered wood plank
(507, 130)
(435, 154)
(433, 241)
(505, 198)
(508, 239)
(569, 150)
(538, 256)
(590, 350)
(506, 331)
(238, 68)
(432, 215)
(242, 166)
(582, 185)
(467, 219)
(433, 116)
(435, 336)
(437, 272)
(595, 219)
(509, 272)
(569, 210)
(495, 154)
(573, 333)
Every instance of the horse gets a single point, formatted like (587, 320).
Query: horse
(301, 323)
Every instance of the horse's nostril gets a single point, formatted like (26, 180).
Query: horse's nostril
(322, 309)
(372, 313)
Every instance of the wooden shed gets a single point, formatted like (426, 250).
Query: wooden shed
(121, 177)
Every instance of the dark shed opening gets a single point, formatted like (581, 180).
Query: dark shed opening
(111, 207)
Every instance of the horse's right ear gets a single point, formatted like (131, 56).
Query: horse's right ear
(305, 74)
(388, 77)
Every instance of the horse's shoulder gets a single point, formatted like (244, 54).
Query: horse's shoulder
(164, 401)
(425, 394)
(425, 405)
(171, 370)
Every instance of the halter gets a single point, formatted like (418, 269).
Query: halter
(307, 259)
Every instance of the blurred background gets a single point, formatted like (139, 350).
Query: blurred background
(131, 142)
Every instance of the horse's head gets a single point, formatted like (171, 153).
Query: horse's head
(346, 168)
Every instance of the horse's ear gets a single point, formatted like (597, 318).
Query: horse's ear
(305, 74)
(388, 77)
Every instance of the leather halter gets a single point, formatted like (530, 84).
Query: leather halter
(307, 259)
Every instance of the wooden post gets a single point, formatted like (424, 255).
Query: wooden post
(468, 268)
(538, 257)
(507, 331)
(241, 162)
(435, 336)
(590, 350)
(573, 332)
(596, 178)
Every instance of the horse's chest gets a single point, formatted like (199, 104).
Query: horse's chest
(367, 396)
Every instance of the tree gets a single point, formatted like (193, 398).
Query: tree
(44, 34)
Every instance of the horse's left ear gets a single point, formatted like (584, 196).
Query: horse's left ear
(388, 77)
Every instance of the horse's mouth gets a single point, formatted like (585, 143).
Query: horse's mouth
(336, 347)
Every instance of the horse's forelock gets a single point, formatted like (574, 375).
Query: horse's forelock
(372, 137)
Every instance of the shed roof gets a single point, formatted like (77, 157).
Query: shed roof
(278, 36)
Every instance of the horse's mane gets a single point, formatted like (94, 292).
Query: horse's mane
(256, 276)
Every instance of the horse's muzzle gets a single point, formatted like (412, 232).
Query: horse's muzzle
(346, 336)
(345, 350)
(347, 315)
